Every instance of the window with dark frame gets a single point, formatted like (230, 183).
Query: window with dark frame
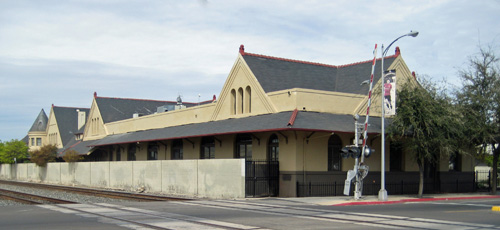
(243, 146)
(334, 159)
(207, 148)
(131, 152)
(152, 151)
(396, 157)
(177, 149)
(119, 154)
(273, 148)
(454, 164)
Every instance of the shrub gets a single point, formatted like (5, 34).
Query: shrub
(45, 154)
(72, 156)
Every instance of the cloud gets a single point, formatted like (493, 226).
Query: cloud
(61, 52)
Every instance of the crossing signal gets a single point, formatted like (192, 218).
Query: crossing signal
(368, 151)
(351, 151)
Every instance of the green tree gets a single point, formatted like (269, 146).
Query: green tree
(14, 149)
(426, 121)
(45, 154)
(479, 102)
(72, 156)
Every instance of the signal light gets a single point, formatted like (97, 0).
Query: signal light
(350, 151)
(368, 151)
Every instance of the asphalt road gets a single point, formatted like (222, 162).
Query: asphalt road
(272, 213)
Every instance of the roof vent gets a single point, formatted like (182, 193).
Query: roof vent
(136, 115)
(165, 108)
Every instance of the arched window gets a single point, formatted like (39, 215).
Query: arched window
(243, 146)
(131, 152)
(177, 149)
(334, 159)
(248, 99)
(207, 148)
(273, 148)
(233, 101)
(152, 151)
(240, 101)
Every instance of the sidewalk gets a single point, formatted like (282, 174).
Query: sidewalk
(394, 199)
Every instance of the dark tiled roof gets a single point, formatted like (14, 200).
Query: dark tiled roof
(40, 123)
(67, 121)
(276, 74)
(116, 109)
(81, 147)
(306, 121)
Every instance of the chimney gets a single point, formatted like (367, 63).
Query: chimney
(398, 51)
(242, 49)
(81, 118)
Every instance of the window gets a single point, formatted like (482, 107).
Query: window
(119, 154)
(207, 150)
(248, 100)
(177, 150)
(32, 141)
(38, 141)
(233, 101)
(240, 101)
(396, 157)
(334, 147)
(273, 148)
(455, 162)
(153, 151)
(243, 146)
(131, 152)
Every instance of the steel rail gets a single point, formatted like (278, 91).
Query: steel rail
(27, 196)
(97, 192)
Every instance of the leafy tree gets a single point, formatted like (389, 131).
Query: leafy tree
(479, 102)
(45, 154)
(427, 123)
(72, 156)
(13, 149)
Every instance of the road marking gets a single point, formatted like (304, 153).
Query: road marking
(463, 211)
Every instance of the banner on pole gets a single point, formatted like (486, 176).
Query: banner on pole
(390, 92)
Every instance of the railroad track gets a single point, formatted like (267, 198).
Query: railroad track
(96, 192)
(27, 198)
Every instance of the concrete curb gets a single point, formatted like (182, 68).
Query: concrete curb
(419, 200)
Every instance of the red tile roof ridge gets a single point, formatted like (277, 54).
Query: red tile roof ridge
(289, 60)
(68, 107)
(367, 61)
(138, 99)
(315, 63)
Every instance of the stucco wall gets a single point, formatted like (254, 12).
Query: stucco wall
(215, 178)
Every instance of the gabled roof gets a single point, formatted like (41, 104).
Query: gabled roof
(275, 74)
(302, 121)
(40, 123)
(67, 121)
(116, 109)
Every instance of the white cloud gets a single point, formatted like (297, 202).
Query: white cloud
(61, 52)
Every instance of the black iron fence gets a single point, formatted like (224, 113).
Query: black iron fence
(261, 178)
(484, 180)
(400, 188)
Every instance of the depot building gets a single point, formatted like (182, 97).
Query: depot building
(288, 118)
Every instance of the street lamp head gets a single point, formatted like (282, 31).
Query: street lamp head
(413, 33)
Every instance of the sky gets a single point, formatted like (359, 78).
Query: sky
(61, 52)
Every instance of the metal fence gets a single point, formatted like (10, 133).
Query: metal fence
(337, 189)
(484, 179)
(261, 178)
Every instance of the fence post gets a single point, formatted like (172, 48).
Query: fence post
(335, 188)
(297, 188)
(489, 180)
(309, 188)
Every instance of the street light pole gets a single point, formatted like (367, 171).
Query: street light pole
(382, 194)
